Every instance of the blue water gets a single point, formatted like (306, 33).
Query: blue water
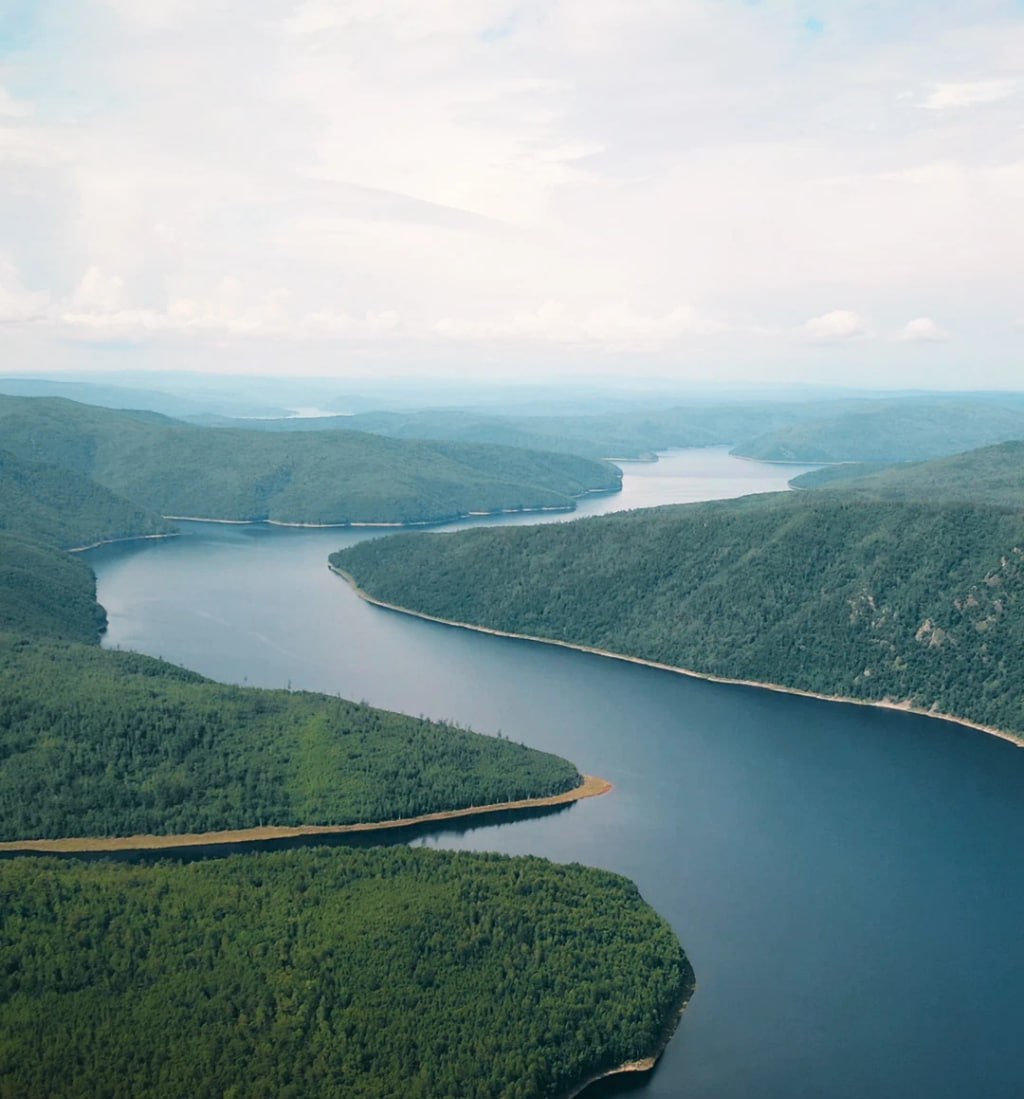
(846, 881)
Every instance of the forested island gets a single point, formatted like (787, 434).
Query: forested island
(842, 594)
(332, 477)
(328, 972)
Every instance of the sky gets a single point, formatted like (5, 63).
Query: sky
(697, 190)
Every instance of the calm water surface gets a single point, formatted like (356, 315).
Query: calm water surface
(846, 881)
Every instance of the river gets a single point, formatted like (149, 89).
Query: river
(846, 881)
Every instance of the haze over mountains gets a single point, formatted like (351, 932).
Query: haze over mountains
(798, 425)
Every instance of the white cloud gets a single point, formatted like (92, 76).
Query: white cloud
(337, 324)
(231, 307)
(923, 330)
(834, 327)
(944, 97)
(539, 178)
(18, 305)
(97, 293)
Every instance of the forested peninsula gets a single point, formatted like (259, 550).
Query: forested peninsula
(116, 744)
(330, 477)
(390, 973)
(904, 602)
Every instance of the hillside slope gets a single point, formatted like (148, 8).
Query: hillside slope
(46, 593)
(825, 593)
(64, 508)
(891, 431)
(991, 475)
(102, 743)
(325, 477)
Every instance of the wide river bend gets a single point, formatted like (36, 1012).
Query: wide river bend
(848, 882)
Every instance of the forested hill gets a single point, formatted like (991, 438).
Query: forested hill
(630, 433)
(992, 475)
(908, 430)
(327, 477)
(46, 593)
(327, 974)
(101, 743)
(817, 591)
(64, 508)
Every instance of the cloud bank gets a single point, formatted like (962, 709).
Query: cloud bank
(672, 187)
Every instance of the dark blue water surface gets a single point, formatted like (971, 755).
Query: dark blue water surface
(847, 881)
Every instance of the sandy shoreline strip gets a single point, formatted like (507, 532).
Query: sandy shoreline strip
(116, 541)
(401, 524)
(883, 704)
(589, 788)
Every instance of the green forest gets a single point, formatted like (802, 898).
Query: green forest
(380, 974)
(821, 591)
(992, 475)
(893, 430)
(331, 477)
(46, 593)
(64, 508)
(100, 743)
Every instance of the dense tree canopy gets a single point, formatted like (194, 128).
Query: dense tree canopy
(893, 430)
(97, 743)
(45, 592)
(321, 477)
(63, 508)
(823, 592)
(992, 475)
(341, 974)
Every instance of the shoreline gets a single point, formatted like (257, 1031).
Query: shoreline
(401, 524)
(590, 787)
(126, 538)
(405, 524)
(1016, 739)
(643, 1064)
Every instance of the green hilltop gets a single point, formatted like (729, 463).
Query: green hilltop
(46, 594)
(330, 477)
(101, 743)
(992, 475)
(905, 428)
